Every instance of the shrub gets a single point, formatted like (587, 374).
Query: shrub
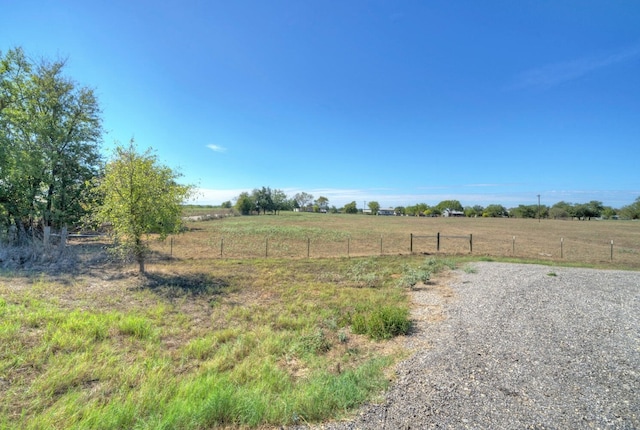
(364, 274)
(315, 343)
(411, 276)
(382, 323)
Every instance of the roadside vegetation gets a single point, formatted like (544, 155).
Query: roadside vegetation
(200, 341)
(199, 345)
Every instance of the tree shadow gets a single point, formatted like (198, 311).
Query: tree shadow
(173, 286)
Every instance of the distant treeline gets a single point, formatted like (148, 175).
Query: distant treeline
(266, 200)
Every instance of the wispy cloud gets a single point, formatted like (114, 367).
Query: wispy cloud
(508, 198)
(557, 73)
(216, 148)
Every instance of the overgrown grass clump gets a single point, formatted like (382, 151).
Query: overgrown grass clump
(382, 323)
(251, 343)
(411, 275)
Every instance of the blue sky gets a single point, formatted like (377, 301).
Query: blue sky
(400, 102)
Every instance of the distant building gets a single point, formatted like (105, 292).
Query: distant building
(452, 213)
(388, 211)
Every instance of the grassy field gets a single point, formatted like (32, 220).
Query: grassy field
(247, 340)
(298, 235)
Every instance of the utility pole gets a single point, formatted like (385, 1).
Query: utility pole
(538, 207)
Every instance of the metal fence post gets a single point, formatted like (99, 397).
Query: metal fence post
(470, 243)
(438, 242)
(411, 243)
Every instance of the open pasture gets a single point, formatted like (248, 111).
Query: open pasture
(302, 235)
(205, 341)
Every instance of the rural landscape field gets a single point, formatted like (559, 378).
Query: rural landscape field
(250, 321)
(301, 235)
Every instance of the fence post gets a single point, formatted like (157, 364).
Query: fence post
(513, 246)
(411, 243)
(611, 249)
(221, 246)
(562, 247)
(438, 242)
(470, 243)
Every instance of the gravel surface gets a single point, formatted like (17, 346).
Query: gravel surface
(520, 347)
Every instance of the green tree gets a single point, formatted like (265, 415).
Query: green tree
(561, 209)
(495, 211)
(453, 205)
(303, 199)
(280, 201)
(525, 211)
(245, 203)
(420, 209)
(351, 208)
(141, 197)
(263, 199)
(608, 212)
(589, 210)
(323, 203)
(631, 211)
(473, 211)
(374, 206)
(50, 130)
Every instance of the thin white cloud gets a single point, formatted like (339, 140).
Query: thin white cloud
(555, 74)
(216, 148)
(391, 198)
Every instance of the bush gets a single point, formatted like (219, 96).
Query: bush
(364, 274)
(410, 276)
(382, 323)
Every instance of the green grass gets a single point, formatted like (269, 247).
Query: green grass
(252, 343)
(207, 342)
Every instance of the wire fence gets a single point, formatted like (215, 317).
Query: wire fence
(269, 246)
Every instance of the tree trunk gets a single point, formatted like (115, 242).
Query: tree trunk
(139, 252)
(63, 237)
(46, 236)
(141, 264)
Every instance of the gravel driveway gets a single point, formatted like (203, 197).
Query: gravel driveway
(521, 347)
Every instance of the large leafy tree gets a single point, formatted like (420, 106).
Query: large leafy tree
(303, 199)
(453, 205)
(322, 202)
(50, 131)
(280, 201)
(140, 197)
(631, 211)
(562, 209)
(245, 203)
(495, 211)
(351, 208)
(263, 199)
